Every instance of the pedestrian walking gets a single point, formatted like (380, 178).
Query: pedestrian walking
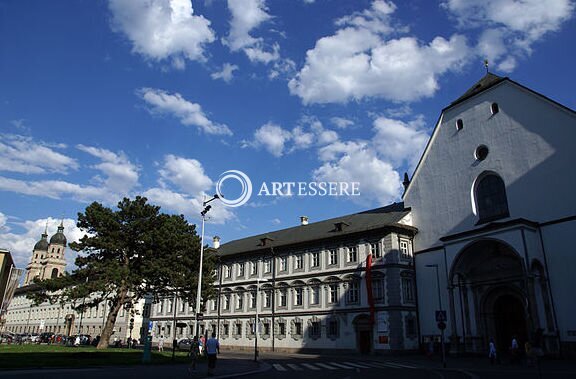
(202, 343)
(492, 351)
(161, 344)
(514, 350)
(212, 350)
(194, 353)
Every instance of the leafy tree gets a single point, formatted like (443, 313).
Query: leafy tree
(127, 255)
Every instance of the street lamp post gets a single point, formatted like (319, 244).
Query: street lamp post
(174, 340)
(198, 291)
(441, 310)
(256, 319)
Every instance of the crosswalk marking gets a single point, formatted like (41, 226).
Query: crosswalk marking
(389, 365)
(323, 365)
(356, 365)
(341, 365)
(278, 367)
(316, 366)
(310, 366)
(395, 364)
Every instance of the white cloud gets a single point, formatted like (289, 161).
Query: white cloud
(301, 138)
(25, 155)
(226, 74)
(398, 142)
(356, 161)
(188, 113)
(187, 174)
(273, 138)
(162, 29)
(3, 219)
(278, 141)
(341, 122)
(510, 26)
(376, 163)
(121, 175)
(360, 60)
(22, 243)
(192, 184)
(248, 15)
(54, 189)
(190, 207)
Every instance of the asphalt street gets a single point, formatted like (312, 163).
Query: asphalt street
(275, 365)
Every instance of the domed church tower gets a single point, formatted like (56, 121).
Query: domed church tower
(40, 250)
(54, 262)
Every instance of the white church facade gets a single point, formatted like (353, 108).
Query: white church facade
(492, 199)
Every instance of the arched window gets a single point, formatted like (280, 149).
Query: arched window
(494, 108)
(54, 273)
(491, 200)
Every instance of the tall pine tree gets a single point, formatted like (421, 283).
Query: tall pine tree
(128, 254)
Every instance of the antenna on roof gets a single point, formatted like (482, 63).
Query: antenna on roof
(486, 65)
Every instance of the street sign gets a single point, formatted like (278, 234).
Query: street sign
(150, 325)
(441, 325)
(199, 316)
(441, 316)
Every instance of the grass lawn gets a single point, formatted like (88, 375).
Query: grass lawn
(36, 356)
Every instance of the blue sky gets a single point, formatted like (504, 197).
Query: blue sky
(105, 99)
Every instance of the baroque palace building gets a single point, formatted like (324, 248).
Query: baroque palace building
(48, 261)
(312, 288)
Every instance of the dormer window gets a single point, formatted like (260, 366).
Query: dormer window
(265, 241)
(459, 124)
(339, 226)
(494, 108)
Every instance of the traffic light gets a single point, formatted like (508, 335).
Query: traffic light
(131, 323)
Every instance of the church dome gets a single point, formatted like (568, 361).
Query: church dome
(42, 244)
(59, 238)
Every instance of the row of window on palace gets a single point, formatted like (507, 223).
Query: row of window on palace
(237, 328)
(332, 256)
(236, 301)
(59, 312)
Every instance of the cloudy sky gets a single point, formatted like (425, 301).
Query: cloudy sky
(105, 99)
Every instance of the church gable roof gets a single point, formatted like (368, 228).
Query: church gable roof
(483, 84)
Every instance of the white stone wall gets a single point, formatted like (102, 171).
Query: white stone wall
(531, 146)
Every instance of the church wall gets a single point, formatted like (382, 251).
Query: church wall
(530, 142)
(561, 258)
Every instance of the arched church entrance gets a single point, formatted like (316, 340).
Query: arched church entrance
(489, 296)
(363, 334)
(509, 321)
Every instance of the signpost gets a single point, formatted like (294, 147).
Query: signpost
(441, 322)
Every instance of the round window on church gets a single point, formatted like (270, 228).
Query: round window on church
(481, 152)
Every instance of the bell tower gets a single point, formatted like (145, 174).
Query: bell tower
(54, 263)
(34, 268)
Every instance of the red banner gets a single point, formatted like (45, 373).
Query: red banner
(369, 287)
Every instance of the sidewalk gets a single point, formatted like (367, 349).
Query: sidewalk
(228, 365)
